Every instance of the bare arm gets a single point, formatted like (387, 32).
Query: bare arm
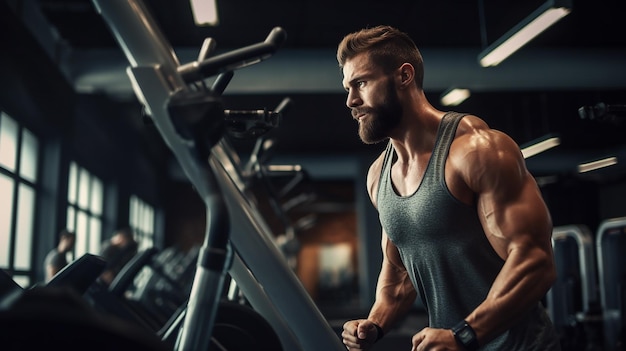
(394, 291)
(518, 225)
(488, 166)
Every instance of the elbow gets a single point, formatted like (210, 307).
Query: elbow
(549, 274)
(542, 269)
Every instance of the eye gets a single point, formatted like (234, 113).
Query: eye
(360, 83)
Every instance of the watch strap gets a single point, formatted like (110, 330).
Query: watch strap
(465, 336)
(379, 332)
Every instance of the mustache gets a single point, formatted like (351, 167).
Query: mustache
(360, 110)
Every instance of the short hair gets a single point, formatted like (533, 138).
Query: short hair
(387, 47)
(126, 232)
(67, 233)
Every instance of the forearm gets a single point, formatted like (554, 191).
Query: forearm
(394, 298)
(521, 283)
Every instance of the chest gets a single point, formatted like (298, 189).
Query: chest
(407, 179)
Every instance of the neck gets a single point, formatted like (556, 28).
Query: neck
(417, 132)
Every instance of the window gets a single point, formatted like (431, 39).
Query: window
(19, 159)
(84, 211)
(142, 221)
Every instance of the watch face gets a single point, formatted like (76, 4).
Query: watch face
(465, 336)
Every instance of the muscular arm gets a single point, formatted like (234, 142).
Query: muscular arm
(518, 225)
(394, 291)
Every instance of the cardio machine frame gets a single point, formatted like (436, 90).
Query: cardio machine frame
(238, 241)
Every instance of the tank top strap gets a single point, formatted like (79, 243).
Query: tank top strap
(445, 136)
(384, 170)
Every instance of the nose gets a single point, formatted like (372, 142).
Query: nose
(353, 99)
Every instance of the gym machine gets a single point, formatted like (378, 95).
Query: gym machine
(572, 302)
(611, 255)
(192, 121)
(612, 113)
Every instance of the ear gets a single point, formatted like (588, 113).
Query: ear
(407, 74)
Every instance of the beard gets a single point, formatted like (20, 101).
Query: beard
(381, 119)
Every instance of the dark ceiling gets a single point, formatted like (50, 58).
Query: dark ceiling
(580, 61)
(322, 23)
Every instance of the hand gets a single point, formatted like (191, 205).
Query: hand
(359, 334)
(431, 339)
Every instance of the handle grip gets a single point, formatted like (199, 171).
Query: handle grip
(235, 59)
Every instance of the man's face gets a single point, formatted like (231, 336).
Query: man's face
(385, 116)
(372, 98)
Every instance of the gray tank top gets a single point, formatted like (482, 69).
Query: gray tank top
(446, 252)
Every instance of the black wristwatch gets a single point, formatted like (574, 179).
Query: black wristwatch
(465, 336)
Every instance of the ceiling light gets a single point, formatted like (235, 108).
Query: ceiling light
(454, 96)
(538, 21)
(540, 146)
(591, 166)
(284, 168)
(204, 12)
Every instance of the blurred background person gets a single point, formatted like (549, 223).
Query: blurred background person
(56, 259)
(117, 251)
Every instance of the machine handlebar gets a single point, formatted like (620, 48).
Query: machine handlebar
(235, 59)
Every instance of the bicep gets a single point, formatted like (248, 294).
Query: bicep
(519, 220)
(510, 205)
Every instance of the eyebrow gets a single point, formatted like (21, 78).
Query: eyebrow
(347, 86)
(353, 80)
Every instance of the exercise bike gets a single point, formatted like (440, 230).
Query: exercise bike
(191, 119)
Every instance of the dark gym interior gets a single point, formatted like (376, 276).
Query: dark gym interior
(65, 85)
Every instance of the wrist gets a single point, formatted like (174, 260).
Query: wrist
(465, 336)
(379, 332)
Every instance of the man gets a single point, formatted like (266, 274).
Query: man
(117, 251)
(464, 223)
(56, 259)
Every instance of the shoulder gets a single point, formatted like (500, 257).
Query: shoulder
(51, 255)
(56, 259)
(476, 140)
(474, 133)
(373, 176)
(482, 154)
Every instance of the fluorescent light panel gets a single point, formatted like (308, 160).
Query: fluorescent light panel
(545, 16)
(204, 12)
(454, 97)
(592, 166)
(540, 147)
(284, 168)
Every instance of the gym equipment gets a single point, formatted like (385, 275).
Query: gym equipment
(8, 286)
(56, 314)
(603, 112)
(277, 184)
(272, 187)
(611, 255)
(160, 282)
(44, 317)
(127, 274)
(190, 118)
(572, 301)
(79, 275)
